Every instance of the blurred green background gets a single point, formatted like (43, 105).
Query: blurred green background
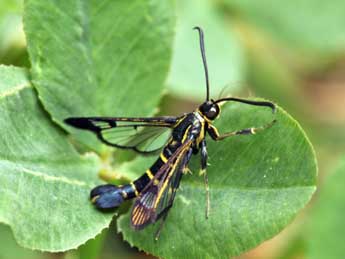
(290, 52)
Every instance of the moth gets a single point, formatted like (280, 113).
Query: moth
(154, 192)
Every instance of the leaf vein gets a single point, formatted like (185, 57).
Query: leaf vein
(51, 178)
(14, 90)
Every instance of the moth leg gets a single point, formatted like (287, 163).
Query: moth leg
(203, 172)
(249, 131)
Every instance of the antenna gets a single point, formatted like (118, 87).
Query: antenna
(202, 49)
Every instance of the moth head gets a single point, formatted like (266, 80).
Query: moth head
(210, 109)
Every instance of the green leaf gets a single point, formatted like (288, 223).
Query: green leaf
(257, 184)
(44, 182)
(92, 57)
(11, 250)
(326, 234)
(224, 53)
(308, 25)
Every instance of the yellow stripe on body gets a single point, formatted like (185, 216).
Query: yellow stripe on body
(94, 199)
(214, 129)
(164, 159)
(179, 121)
(149, 174)
(203, 116)
(124, 194)
(135, 189)
(202, 133)
(185, 134)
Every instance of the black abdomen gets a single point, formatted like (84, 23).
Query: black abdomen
(111, 196)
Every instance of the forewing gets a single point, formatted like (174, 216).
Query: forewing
(160, 192)
(143, 139)
(143, 135)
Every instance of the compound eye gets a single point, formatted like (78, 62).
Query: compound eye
(212, 113)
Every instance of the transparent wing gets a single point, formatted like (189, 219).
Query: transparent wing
(158, 196)
(143, 135)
